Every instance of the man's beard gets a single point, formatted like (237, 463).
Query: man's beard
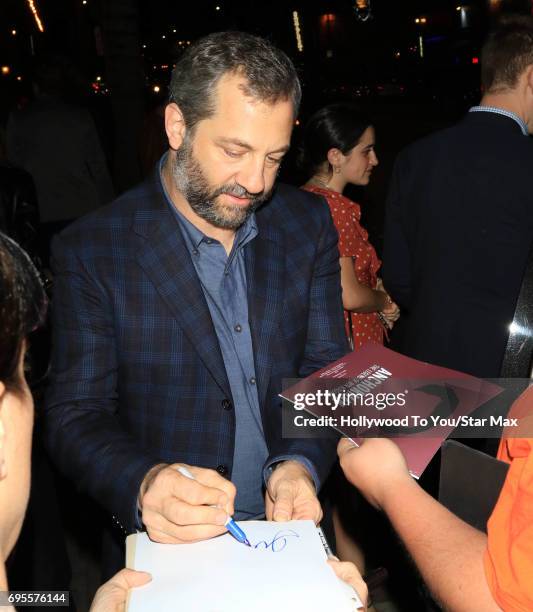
(202, 198)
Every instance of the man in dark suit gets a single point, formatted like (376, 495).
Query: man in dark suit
(181, 307)
(460, 218)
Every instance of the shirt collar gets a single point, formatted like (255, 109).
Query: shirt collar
(246, 232)
(505, 113)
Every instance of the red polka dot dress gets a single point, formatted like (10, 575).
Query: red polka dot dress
(353, 242)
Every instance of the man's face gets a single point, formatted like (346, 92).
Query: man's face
(229, 165)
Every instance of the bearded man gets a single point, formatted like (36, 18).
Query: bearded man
(179, 309)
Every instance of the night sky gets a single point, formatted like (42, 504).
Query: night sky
(341, 56)
(69, 25)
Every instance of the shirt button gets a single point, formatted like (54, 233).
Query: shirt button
(252, 381)
(195, 252)
(222, 470)
(226, 404)
(237, 328)
(208, 240)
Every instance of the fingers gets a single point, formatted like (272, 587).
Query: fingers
(283, 502)
(269, 506)
(176, 508)
(211, 478)
(343, 569)
(291, 494)
(111, 596)
(309, 510)
(196, 492)
(391, 310)
(168, 533)
(182, 513)
(391, 316)
(349, 573)
(345, 445)
(169, 483)
(128, 578)
(165, 531)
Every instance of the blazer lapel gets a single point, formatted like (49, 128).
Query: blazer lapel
(166, 261)
(265, 269)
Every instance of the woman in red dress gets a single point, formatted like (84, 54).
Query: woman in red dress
(338, 149)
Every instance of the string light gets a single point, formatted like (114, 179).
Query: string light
(6, 69)
(297, 31)
(464, 16)
(157, 89)
(13, 32)
(38, 21)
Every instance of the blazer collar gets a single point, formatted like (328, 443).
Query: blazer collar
(166, 261)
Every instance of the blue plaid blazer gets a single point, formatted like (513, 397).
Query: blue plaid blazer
(137, 372)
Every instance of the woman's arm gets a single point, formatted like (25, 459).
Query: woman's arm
(357, 297)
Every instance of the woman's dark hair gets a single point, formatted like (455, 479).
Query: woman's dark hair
(336, 126)
(22, 306)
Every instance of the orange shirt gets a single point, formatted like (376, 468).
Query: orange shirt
(509, 555)
(353, 242)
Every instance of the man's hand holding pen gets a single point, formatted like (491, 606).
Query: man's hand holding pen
(177, 509)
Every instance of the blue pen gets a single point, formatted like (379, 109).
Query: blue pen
(230, 524)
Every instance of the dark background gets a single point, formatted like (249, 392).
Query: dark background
(122, 52)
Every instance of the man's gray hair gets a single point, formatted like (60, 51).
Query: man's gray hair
(269, 74)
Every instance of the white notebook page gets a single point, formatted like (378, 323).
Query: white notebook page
(284, 570)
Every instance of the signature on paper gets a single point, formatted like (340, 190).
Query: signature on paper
(279, 541)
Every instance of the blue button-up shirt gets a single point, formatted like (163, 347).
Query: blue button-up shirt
(223, 280)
